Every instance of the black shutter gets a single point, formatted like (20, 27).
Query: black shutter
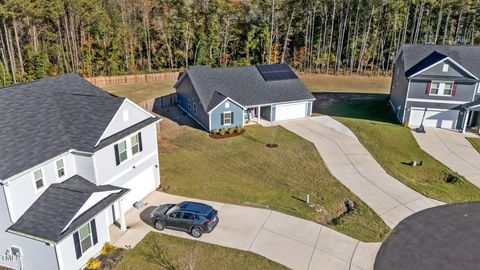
(76, 241)
(117, 156)
(140, 146)
(231, 117)
(221, 118)
(94, 231)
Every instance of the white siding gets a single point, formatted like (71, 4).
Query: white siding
(22, 191)
(85, 167)
(118, 123)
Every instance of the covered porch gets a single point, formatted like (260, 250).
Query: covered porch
(471, 123)
(258, 114)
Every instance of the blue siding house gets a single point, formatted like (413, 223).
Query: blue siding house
(219, 98)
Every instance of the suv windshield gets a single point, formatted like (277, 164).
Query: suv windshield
(172, 209)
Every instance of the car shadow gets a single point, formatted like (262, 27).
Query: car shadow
(366, 106)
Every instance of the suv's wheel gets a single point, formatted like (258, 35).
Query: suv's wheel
(159, 225)
(197, 232)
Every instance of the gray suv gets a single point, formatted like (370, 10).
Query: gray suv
(192, 217)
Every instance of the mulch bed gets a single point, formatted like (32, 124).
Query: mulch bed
(227, 135)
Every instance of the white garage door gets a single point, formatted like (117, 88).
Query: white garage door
(140, 186)
(433, 118)
(290, 111)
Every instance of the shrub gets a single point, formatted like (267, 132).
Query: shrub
(239, 129)
(215, 131)
(231, 130)
(223, 131)
(108, 248)
(93, 264)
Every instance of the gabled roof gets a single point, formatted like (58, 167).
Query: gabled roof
(417, 57)
(44, 118)
(245, 85)
(63, 207)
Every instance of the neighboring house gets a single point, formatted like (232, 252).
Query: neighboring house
(437, 85)
(74, 159)
(229, 97)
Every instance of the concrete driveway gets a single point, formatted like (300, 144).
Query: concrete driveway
(352, 164)
(293, 242)
(452, 149)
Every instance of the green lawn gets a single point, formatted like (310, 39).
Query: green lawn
(241, 170)
(475, 142)
(393, 145)
(160, 251)
(139, 92)
(343, 83)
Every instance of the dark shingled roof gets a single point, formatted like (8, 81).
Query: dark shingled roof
(44, 118)
(53, 210)
(244, 85)
(417, 57)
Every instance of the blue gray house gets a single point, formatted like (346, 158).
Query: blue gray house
(219, 98)
(437, 86)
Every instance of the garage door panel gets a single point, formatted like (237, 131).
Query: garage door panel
(433, 118)
(290, 111)
(140, 186)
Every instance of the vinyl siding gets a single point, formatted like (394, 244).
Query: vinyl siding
(216, 115)
(443, 106)
(186, 92)
(85, 167)
(464, 93)
(453, 70)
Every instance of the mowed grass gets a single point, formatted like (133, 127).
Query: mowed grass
(160, 251)
(393, 146)
(475, 142)
(140, 92)
(344, 83)
(242, 170)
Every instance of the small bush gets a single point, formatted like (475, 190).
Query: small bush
(223, 131)
(239, 129)
(231, 130)
(108, 248)
(93, 264)
(452, 177)
(215, 131)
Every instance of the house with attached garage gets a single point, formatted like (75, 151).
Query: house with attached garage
(437, 86)
(74, 159)
(219, 98)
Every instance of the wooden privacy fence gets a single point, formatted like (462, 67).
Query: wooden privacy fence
(157, 104)
(151, 77)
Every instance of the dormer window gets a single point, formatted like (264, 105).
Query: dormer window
(38, 177)
(445, 68)
(60, 168)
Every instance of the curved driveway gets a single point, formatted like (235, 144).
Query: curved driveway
(352, 164)
(293, 242)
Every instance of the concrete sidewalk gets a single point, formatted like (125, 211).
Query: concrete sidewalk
(352, 164)
(293, 242)
(452, 149)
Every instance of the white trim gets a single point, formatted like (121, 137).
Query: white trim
(209, 121)
(443, 60)
(223, 114)
(59, 257)
(192, 117)
(436, 101)
(441, 86)
(280, 103)
(227, 98)
(406, 100)
(472, 107)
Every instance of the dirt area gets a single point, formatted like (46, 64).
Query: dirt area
(325, 100)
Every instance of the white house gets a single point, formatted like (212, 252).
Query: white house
(74, 159)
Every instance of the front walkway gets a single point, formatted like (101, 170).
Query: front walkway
(291, 241)
(452, 149)
(352, 164)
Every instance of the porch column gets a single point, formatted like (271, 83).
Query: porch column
(258, 115)
(465, 120)
(123, 224)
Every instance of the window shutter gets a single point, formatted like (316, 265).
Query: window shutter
(76, 242)
(231, 117)
(140, 145)
(222, 118)
(454, 89)
(117, 155)
(94, 231)
(427, 90)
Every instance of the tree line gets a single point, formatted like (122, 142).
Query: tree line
(41, 38)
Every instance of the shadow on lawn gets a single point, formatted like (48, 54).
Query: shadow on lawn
(178, 116)
(373, 107)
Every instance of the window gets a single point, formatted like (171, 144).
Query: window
(126, 117)
(38, 176)
(122, 151)
(195, 108)
(442, 89)
(189, 105)
(85, 236)
(227, 118)
(445, 68)
(187, 215)
(60, 168)
(227, 105)
(135, 144)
